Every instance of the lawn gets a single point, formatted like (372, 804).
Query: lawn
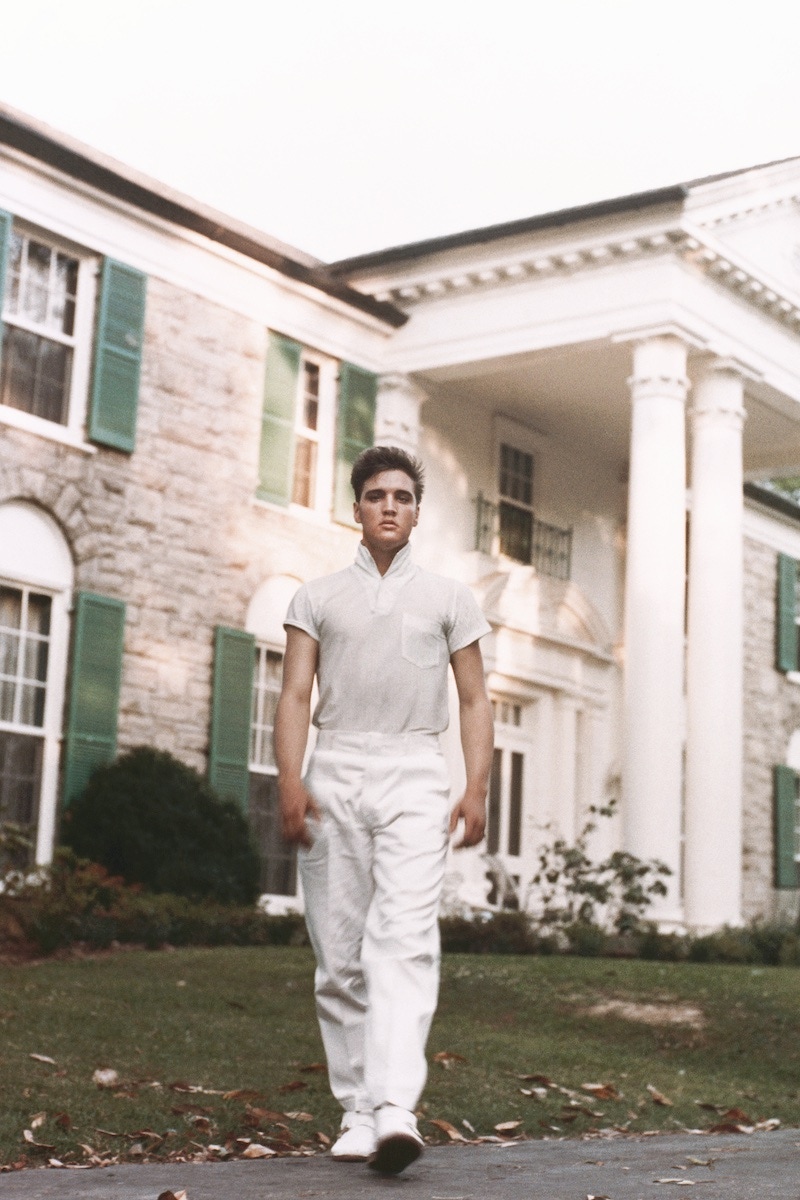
(211, 1046)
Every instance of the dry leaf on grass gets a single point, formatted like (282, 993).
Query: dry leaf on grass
(658, 1097)
(43, 1058)
(295, 1086)
(446, 1059)
(602, 1091)
(507, 1127)
(27, 1135)
(312, 1067)
(242, 1094)
(454, 1134)
(258, 1151)
(105, 1077)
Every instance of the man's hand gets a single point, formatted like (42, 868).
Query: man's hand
(471, 808)
(297, 805)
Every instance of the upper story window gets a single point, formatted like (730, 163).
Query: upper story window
(515, 490)
(318, 414)
(47, 315)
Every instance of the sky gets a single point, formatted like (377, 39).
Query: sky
(343, 126)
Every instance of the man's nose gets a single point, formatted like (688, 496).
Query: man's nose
(390, 504)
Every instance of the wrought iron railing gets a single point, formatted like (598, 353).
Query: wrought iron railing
(510, 530)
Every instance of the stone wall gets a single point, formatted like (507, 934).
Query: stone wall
(771, 715)
(174, 529)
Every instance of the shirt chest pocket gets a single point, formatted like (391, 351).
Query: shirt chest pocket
(423, 642)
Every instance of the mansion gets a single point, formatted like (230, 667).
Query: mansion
(600, 396)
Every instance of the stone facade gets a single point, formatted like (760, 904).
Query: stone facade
(771, 716)
(173, 530)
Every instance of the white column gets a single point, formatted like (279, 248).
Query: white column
(714, 666)
(397, 415)
(654, 612)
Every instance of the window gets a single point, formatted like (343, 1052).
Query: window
(504, 817)
(278, 859)
(47, 312)
(317, 415)
(25, 617)
(516, 503)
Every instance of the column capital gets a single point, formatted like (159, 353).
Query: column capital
(659, 368)
(397, 417)
(718, 393)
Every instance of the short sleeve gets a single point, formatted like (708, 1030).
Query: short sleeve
(301, 613)
(468, 622)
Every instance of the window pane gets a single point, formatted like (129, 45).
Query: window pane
(31, 708)
(7, 692)
(20, 777)
(9, 652)
(35, 374)
(495, 798)
(35, 282)
(63, 300)
(278, 859)
(10, 607)
(516, 532)
(310, 395)
(35, 666)
(39, 613)
(515, 807)
(305, 460)
(14, 266)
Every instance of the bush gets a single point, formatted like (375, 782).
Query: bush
(151, 820)
(77, 902)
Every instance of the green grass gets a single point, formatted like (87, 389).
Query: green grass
(242, 1018)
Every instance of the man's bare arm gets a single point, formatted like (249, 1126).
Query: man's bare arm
(477, 742)
(291, 734)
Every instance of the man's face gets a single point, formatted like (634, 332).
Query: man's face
(387, 511)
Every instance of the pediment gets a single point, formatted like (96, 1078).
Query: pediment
(767, 243)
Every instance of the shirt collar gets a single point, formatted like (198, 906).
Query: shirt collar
(401, 563)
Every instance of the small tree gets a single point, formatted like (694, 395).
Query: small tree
(154, 821)
(570, 889)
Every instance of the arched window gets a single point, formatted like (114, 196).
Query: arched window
(36, 576)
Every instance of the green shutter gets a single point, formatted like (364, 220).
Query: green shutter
(91, 741)
(786, 626)
(785, 796)
(358, 390)
(118, 356)
(229, 755)
(276, 459)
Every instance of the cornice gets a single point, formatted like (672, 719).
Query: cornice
(691, 247)
(746, 210)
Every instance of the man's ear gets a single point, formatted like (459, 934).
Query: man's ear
(416, 515)
(356, 513)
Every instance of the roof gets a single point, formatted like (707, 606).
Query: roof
(637, 201)
(114, 178)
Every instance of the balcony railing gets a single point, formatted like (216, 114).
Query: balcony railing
(507, 529)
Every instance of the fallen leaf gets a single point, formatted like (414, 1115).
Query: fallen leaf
(237, 1094)
(322, 1138)
(63, 1120)
(295, 1086)
(27, 1135)
(54, 1162)
(454, 1134)
(105, 1077)
(658, 1097)
(313, 1067)
(602, 1091)
(265, 1114)
(507, 1126)
(446, 1059)
(38, 1121)
(539, 1093)
(299, 1116)
(736, 1114)
(257, 1151)
(729, 1127)
(43, 1058)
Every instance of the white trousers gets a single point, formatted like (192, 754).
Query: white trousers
(372, 882)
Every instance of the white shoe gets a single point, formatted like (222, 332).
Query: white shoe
(398, 1140)
(357, 1140)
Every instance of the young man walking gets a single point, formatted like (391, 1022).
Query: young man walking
(372, 817)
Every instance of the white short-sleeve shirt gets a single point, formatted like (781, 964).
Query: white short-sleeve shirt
(385, 644)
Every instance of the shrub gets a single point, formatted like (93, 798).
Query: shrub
(151, 820)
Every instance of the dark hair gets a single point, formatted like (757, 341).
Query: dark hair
(386, 458)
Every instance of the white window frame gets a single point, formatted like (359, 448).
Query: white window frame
(82, 341)
(513, 735)
(324, 436)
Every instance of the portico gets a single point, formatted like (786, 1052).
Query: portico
(629, 343)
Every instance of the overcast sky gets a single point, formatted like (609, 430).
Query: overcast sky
(349, 125)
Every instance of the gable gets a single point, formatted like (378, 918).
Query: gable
(767, 243)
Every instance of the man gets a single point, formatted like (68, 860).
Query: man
(372, 816)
